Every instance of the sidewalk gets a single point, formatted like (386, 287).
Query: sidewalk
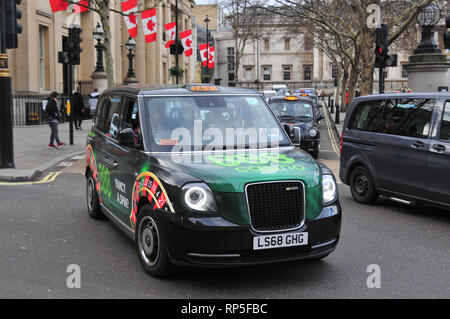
(32, 155)
(332, 117)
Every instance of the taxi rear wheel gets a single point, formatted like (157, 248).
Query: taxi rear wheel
(150, 244)
(362, 186)
(92, 201)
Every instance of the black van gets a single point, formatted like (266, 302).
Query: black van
(398, 145)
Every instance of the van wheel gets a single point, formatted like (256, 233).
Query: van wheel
(93, 204)
(362, 186)
(150, 244)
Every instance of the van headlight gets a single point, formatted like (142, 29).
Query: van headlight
(199, 197)
(329, 189)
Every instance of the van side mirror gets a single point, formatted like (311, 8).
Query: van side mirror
(126, 137)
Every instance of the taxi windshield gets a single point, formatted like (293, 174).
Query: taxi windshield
(293, 109)
(213, 122)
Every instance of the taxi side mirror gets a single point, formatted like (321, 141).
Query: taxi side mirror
(294, 133)
(320, 117)
(126, 137)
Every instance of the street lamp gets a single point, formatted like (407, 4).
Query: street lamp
(427, 19)
(207, 49)
(130, 45)
(98, 35)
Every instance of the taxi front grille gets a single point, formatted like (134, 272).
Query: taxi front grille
(276, 206)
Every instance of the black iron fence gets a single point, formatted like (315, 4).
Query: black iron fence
(28, 108)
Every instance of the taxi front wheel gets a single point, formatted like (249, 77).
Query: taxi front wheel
(150, 244)
(93, 204)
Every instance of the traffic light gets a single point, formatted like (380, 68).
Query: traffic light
(73, 45)
(447, 34)
(382, 58)
(12, 14)
(381, 46)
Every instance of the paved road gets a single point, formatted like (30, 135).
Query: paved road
(45, 227)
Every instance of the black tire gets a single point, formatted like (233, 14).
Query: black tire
(93, 204)
(362, 186)
(150, 244)
(315, 152)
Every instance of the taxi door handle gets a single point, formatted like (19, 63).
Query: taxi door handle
(111, 163)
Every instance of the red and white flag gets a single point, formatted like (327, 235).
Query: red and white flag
(170, 31)
(211, 58)
(78, 8)
(149, 24)
(58, 5)
(203, 53)
(129, 9)
(186, 41)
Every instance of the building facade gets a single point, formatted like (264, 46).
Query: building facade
(34, 65)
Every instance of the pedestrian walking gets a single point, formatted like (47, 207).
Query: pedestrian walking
(78, 108)
(93, 100)
(53, 117)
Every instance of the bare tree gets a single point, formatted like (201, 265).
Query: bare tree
(346, 22)
(242, 16)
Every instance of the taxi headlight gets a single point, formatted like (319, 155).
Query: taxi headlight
(313, 132)
(198, 197)
(329, 189)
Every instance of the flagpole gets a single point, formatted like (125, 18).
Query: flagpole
(207, 49)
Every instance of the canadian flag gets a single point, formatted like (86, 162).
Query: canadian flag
(58, 5)
(203, 53)
(170, 30)
(78, 8)
(211, 58)
(149, 24)
(129, 9)
(186, 41)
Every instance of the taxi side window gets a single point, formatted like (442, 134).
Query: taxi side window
(444, 133)
(100, 114)
(112, 118)
(131, 119)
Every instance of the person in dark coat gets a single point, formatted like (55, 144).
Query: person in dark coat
(52, 114)
(78, 108)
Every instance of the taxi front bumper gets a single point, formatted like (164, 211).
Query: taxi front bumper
(215, 242)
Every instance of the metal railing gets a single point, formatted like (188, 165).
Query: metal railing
(28, 108)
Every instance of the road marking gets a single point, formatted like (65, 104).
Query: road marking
(78, 157)
(330, 134)
(64, 164)
(47, 179)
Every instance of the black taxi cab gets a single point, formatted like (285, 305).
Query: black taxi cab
(299, 111)
(207, 176)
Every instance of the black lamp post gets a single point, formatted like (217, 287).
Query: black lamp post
(427, 19)
(207, 49)
(98, 35)
(130, 45)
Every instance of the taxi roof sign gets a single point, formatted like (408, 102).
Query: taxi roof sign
(202, 88)
(291, 98)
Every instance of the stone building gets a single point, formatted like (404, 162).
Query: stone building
(34, 65)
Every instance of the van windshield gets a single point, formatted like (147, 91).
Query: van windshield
(192, 123)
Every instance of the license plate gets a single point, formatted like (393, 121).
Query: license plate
(279, 241)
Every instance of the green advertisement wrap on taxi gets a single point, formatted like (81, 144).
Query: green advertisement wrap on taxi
(243, 202)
